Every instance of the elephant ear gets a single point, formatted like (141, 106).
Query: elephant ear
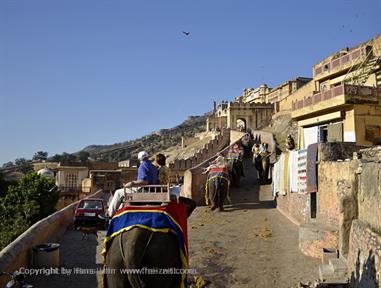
(189, 204)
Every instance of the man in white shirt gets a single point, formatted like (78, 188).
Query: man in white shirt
(147, 175)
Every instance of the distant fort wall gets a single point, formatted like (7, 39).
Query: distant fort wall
(209, 150)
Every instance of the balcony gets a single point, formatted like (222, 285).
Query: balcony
(343, 94)
(339, 64)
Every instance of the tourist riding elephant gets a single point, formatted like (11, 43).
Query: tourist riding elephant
(217, 190)
(147, 250)
(235, 168)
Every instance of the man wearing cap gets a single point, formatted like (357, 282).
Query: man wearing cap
(147, 175)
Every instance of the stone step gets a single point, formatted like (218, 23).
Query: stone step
(338, 265)
(325, 271)
(329, 253)
(328, 276)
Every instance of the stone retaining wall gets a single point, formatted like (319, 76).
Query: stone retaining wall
(295, 206)
(364, 259)
(208, 151)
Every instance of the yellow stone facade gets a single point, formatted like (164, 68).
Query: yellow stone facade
(343, 101)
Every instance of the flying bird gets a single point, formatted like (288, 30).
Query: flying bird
(186, 33)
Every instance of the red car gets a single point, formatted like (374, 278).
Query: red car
(90, 213)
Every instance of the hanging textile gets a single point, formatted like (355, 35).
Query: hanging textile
(302, 170)
(276, 178)
(293, 171)
(311, 168)
(310, 135)
(281, 175)
(285, 175)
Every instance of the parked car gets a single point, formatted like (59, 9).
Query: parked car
(90, 213)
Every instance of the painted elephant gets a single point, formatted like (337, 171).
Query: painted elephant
(235, 168)
(218, 185)
(147, 250)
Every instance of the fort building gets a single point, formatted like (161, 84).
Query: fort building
(257, 95)
(254, 108)
(239, 115)
(284, 90)
(265, 94)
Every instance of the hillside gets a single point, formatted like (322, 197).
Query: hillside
(152, 143)
(191, 147)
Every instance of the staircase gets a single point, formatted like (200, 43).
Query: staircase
(362, 71)
(368, 69)
(378, 78)
(334, 270)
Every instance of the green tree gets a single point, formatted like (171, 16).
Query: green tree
(40, 156)
(24, 204)
(23, 165)
(68, 157)
(4, 185)
(83, 156)
(55, 158)
(9, 164)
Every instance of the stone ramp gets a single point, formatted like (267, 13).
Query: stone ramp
(250, 244)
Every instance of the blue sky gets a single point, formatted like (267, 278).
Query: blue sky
(81, 72)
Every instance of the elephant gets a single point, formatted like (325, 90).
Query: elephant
(246, 144)
(217, 188)
(265, 168)
(262, 164)
(235, 168)
(149, 251)
(257, 161)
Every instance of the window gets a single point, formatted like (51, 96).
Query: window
(323, 87)
(323, 133)
(71, 180)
